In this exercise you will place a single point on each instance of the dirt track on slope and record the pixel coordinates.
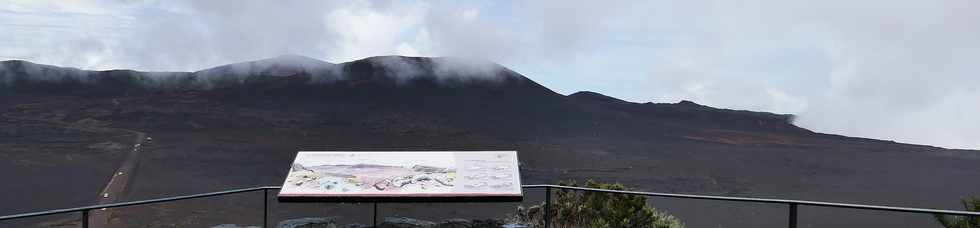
(116, 186)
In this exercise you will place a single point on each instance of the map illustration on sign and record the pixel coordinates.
(403, 174)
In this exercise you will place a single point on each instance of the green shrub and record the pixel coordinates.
(572, 208)
(969, 204)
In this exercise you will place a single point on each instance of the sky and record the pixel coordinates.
(897, 70)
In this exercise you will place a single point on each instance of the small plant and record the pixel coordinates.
(574, 208)
(969, 204)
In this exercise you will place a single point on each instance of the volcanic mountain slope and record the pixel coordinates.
(240, 125)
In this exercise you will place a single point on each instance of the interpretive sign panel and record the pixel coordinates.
(463, 176)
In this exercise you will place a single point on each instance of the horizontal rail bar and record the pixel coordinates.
(133, 203)
(670, 195)
(765, 200)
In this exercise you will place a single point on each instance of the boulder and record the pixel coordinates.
(327, 222)
(357, 225)
(455, 223)
(402, 222)
(488, 223)
(233, 226)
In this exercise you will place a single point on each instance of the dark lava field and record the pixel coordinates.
(63, 133)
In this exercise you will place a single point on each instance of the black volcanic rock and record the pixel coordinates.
(279, 66)
(289, 74)
(588, 96)
(437, 84)
(689, 115)
(435, 73)
(241, 124)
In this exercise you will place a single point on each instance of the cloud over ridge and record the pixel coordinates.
(899, 70)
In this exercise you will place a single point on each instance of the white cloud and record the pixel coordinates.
(470, 14)
(365, 31)
(405, 49)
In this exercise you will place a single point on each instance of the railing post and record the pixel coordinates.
(265, 207)
(547, 207)
(792, 215)
(85, 219)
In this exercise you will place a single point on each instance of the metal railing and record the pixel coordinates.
(85, 210)
(792, 205)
